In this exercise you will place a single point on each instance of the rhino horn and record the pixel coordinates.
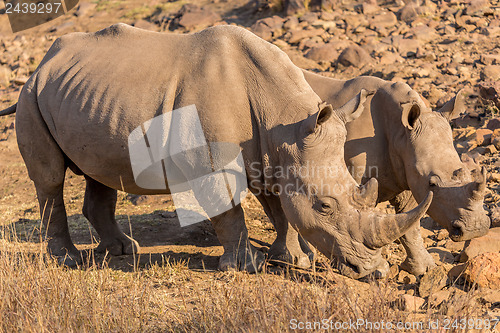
(367, 194)
(385, 229)
(355, 107)
(478, 187)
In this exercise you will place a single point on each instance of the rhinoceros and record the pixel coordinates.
(92, 91)
(409, 149)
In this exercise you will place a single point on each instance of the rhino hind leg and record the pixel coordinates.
(99, 208)
(418, 260)
(46, 167)
(288, 247)
(232, 233)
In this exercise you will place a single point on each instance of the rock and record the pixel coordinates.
(490, 72)
(494, 124)
(423, 33)
(490, 59)
(456, 272)
(490, 90)
(476, 6)
(268, 27)
(355, 56)
(487, 243)
(483, 136)
(491, 296)
(370, 7)
(383, 20)
(326, 52)
(389, 58)
(193, 17)
(406, 278)
(291, 23)
(495, 217)
(21, 80)
(5, 74)
(299, 60)
(436, 299)
(85, 8)
(410, 303)
(409, 12)
(407, 47)
(293, 7)
(441, 254)
(484, 270)
(296, 36)
(433, 280)
(146, 25)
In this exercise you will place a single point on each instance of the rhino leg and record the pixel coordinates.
(232, 233)
(286, 247)
(418, 260)
(46, 167)
(99, 208)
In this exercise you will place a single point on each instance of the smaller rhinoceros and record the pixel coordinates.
(96, 97)
(409, 149)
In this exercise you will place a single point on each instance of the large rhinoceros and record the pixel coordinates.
(92, 92)
(409, 149)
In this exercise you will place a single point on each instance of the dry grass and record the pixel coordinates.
(38, 295)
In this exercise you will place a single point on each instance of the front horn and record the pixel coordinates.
(384, 229)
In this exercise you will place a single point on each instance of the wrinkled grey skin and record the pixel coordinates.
(411, 148)
(91, 90)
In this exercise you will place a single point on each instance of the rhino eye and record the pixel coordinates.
(326, 206)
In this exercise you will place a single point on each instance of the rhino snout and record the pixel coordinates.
(460, 230)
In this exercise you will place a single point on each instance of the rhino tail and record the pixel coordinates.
(9, 110)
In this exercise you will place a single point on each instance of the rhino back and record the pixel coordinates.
(94, 89)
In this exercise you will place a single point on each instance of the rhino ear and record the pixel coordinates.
(354, 108)
(454, 107)
(315, 120)
(411, 112)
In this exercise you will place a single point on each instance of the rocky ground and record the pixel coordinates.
(437, 47)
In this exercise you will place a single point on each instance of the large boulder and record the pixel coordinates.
(484, 270)
(355, 56)
(487, 243)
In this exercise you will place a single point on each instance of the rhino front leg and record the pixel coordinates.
(288, 247)
(99, 208)
(418, 260)
(232, 233)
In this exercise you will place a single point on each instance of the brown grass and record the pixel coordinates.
(38, 295)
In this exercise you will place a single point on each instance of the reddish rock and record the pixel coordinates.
(484, 270)
(487, 243)
(494, 124)
(355, 56)
(410, 303)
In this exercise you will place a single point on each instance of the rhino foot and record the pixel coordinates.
(418, 266)
(118, 246)
(65, 252)
(246, 259)
(282, 255)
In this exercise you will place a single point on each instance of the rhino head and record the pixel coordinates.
(430, 162)
(325, 204)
